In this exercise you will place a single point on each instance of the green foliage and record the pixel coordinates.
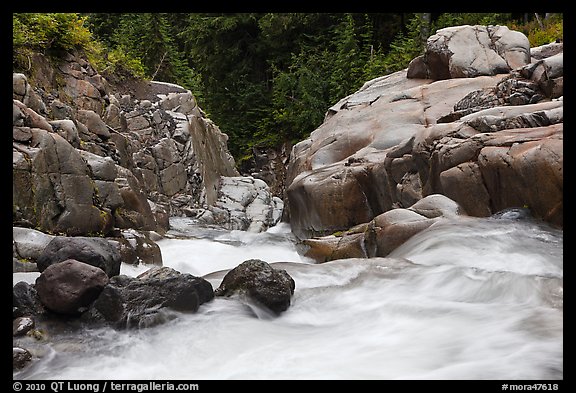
(552, 30)
(264, 78)
(404, 48)
(484, 18)
(44, 32)
(52, 33)
(551, 33)
(48, 33)
(119, 61)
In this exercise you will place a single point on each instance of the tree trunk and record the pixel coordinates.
(425, 19)
(539, 21)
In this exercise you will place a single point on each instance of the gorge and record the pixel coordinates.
(421, 236)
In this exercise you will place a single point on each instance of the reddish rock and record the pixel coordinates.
(69, 287)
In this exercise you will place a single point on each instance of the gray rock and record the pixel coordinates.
(547, 74)
(164, 147)
(150, 299)
(114, 117)
(60, 110)
(260, 283)
(102, 168)
(137, 247)
(22, 325)
(20, 358)
(25, 300)
(437, 205)
(67, 130)
(109, 194)
(94, 123)
(547, 50)
(52, 188)
(23, 265)
(97, 252)
(471, 51)
(31, 118)
(136, 122)
(69, 287)
(19, 86)
(136, 212)
(245, 203)
(29, 243)
(83, 94)
(17, 115)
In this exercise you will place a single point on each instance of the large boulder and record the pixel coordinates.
(97, 252)
(260, 283)
(349, 170)
(471, 51)
(244, 203)
(478, 138)
(149, 299)
(69, 287)
(52, 189)
(381, 235)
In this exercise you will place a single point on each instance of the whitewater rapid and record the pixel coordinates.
(468, 298)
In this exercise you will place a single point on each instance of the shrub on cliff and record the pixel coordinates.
(52, 33)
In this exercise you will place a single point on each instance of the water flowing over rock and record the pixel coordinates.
(98, 169)
(487, 137)
(384, 233)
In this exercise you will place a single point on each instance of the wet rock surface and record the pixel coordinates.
(260, 283)
(149, 299)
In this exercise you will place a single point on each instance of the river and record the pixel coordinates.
(468, 298)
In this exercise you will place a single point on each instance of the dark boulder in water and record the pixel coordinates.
(69, 287)
(261, 283)
(20, 358)
(25, 300)
(149, 299)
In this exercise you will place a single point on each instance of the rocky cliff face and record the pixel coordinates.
(95, 158)
(478, 118)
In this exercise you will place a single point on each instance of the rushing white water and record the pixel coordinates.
(464, 299)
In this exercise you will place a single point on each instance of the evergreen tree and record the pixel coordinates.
(264, 78)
